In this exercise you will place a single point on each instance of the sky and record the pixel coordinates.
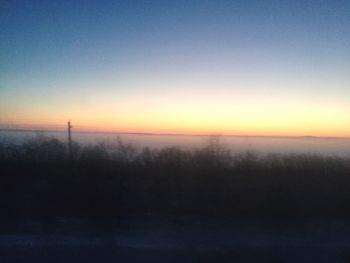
(230, 67)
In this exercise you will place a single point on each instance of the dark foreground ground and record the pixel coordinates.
(121, 204)
(115, 254)
(185, 240)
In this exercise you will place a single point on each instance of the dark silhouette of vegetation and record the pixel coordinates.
(38, 179)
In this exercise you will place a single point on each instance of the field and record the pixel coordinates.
(121, 202)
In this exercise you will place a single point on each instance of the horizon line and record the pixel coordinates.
(177, 134)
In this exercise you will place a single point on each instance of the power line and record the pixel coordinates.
(70, 139)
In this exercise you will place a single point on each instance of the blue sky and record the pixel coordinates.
(92, 60)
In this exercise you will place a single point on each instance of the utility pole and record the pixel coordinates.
(70, 140)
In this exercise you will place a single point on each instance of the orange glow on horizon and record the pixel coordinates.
(185, 115)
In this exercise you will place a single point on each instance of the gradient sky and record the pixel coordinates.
(236, 67)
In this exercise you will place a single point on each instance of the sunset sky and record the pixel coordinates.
(232, 67)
